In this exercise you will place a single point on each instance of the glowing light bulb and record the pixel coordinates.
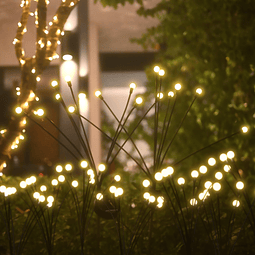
(199, 91)
(50, 199)
(216, 186)
(18, 110)
(38, 78)
(218, 175)
(59, 168)
(68, 167)
(139, 100)
(160, 95)
(230, 154)
(152, 199)
(57, 96)
(146, 195)
(160, 199)
(156, 69)
(146, 183)
(61, 178)
(75, 184)
(23, 184)
(67, 57)
(194, 174)
(99, 196)
(193, 201)
(68, 78)
(40, 112)
(240, 185)
(223, 157)
(235, 203)
(71, 109)
(90, 172)
(178, 86)
(132, 85)
(202, 169)
(43, 188)
(98, 93)
(161, 72)
(41, 198)
(101, 167)
(158, 176)
(54, 182)
(208, 184)
(181, 181)
(84, 164)
(211, 161)
(117, 178)
(54, 83)
(171, 94)
(245, 129)
(112, 189)
(227, 168)
(36, 195)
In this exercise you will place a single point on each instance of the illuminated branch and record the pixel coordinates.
(31, 67)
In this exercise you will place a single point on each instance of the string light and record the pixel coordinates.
(178, 86)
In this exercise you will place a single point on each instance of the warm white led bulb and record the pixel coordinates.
(227, 168)
(112, 189)
(50, 199)
(171, 94)
(152, 199)
(146, 183)
(132, 85)
(101, 167)
(23, 184)
(117, 178)
(194, 174)
(199, 91)
(54, 83)
(68, 167)
(208, 184)
(236, 203)
(178, 86)
(156, 69)
(231, 154)
(146, 195)
(40, 112)
(216, 186)
(18, 110)
(75, 184)
(181, 181)
(71, 109)
(84, 164)
(158, 176)
(245, 129)
(59, 168)
(160, 95)
(223, 157)
(43, 188)
(61, 178)
(202, 169)
(161, 72)
(240, 185)
(193, 201)
(99, 196)
(54, 182)
(218, 175)
(211, 161)
(139, 100)
(98, 93)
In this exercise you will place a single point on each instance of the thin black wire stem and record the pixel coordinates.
(147, 173)
(129, 137)
(56, 139)
(62, 133)
(176, 132)
(78, 133)
(193, 153)
(91, 123)
(168, 124)
(83, 129)
(176, 214)
(120, 126)
(155, 124)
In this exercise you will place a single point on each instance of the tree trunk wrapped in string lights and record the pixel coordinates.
(32, 67)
